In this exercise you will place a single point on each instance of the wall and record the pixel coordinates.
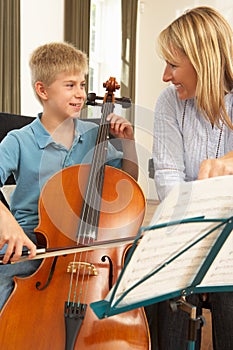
(41, 22)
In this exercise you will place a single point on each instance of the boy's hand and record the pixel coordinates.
(13, 235)
(120, 127)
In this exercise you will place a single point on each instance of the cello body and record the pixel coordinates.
(33, 316)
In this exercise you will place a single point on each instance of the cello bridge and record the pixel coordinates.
(82, 267)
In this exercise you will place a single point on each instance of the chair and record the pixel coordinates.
(151, 168)
(9, 122)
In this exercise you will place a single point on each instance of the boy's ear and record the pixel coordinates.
(41, 90)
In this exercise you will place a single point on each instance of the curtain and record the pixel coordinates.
(77, 23)
(77, 28)
(129, 27)
(128, 54)
(10, 56)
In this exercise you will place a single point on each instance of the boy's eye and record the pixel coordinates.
(83, 85)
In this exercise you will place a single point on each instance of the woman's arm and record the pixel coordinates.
(168, 150)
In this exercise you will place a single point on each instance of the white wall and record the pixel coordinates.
(41, 22)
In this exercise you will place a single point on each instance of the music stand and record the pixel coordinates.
(188, 248)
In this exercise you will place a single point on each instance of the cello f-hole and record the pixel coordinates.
(51, 272)
(110, 275)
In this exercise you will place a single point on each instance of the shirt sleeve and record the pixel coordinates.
(115, 157)
(9, 155)
(168, 151)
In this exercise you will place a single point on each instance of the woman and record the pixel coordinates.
(192, 132)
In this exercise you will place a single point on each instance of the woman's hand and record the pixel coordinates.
(216, 167)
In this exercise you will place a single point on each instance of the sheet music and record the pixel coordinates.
(212, 198)
(221, 271)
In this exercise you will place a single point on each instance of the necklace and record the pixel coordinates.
(207, 135)
(219, 142)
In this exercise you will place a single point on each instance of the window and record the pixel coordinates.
(105, 43)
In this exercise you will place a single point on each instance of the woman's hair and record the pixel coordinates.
(206, 38)
(53, 58)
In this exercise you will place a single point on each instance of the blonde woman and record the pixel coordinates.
(193, 138)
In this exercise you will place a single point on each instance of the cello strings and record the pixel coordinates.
(93, 201)
(94, 195)
(99, 176)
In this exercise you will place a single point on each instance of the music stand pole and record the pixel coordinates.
(194, 322)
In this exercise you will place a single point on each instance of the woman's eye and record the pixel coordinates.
(172, 65)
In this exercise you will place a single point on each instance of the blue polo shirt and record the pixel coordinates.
(33, 157)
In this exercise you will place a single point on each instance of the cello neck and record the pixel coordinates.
(89, 219)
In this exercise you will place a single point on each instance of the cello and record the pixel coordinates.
(81, 204)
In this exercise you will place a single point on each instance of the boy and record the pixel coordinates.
(54, 140)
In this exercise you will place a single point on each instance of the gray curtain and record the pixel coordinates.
(129, 28)
(10, 56)
(77, 28)
(77, 23)
(128, 53)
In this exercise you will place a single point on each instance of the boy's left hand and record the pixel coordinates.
(120, 127)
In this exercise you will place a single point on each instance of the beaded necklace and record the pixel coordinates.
(207, 135)
(219, 142)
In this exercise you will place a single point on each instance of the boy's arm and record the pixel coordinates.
(122, 128)
(13, 235)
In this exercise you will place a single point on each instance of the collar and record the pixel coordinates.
(42, 136)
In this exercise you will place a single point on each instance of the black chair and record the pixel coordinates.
(9, 122)
(151, 168)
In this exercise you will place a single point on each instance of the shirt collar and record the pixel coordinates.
(43, 137)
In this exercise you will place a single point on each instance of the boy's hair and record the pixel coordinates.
(53, 58)
(206, 38)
